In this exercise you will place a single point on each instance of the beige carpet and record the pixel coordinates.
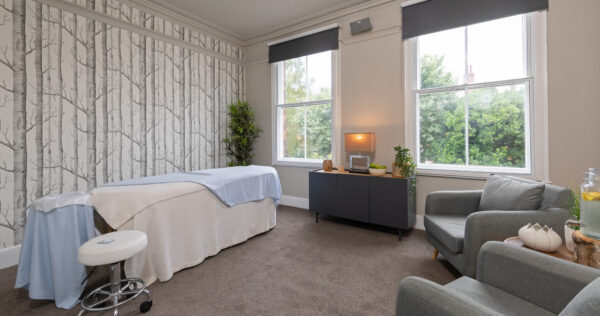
(334, 267)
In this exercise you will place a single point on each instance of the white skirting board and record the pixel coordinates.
(294, 201)
(9, 256)
(300, 202)
(419, 223)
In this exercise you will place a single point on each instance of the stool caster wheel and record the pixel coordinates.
(145, 306)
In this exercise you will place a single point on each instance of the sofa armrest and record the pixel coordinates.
(538, 278)
(485, 226)
(452, 202)
(417, 296)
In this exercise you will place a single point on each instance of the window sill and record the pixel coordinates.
(452, 174)
(298, 164)
(471, 175)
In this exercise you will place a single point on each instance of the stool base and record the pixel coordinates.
(116, 293)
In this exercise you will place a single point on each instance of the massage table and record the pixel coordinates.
(187, 216)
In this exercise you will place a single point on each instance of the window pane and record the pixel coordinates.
(293, 131)
(318, 131)
(497, 126)
(306, 78)
(442, 58)
(442, 128)
(293, 84)
(496, 50)
(319, 76)
(305, 130)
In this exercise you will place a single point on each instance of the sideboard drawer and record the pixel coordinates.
(322, 189)
(388, 202)
(353, 197)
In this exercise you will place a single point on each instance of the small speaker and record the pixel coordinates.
(360, 26)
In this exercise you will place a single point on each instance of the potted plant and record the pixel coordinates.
(243, 132)
(404, 165)
(571, 226)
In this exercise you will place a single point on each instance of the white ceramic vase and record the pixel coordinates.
(569, 238)
(540, 238)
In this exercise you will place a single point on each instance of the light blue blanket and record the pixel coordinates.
(48, 265)
(234, 185)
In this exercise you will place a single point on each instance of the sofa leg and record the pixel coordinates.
(435, 254)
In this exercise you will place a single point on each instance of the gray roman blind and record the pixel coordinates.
(438, 15)
(306, 45)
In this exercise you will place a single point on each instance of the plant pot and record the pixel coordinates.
(397, 171)
(376, 172)
(569, 238)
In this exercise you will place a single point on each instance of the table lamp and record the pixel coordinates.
(360, 142)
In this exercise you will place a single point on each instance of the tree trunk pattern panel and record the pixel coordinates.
(131, 104)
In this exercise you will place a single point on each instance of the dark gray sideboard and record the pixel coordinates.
(384, 200)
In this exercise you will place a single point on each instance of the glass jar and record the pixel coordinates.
(590, 204)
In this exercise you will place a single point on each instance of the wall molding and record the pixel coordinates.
(259, 61)
(294, 201)
(392, 30)
(167, 10)
(101, 17)
(9, 256)
(311, 21)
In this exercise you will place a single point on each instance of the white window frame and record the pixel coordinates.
(536, 115)
(277, 128)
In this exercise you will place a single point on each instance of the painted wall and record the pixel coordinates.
(84, 103)
(372, 93)
(573, 88)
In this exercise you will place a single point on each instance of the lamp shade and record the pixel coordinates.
(361, 142)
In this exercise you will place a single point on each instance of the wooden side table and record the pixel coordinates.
(561, 253)
(587, 250)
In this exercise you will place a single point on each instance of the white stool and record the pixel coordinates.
(112, 248)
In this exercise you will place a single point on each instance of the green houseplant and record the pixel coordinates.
(243, 132)
(574, 206)
(404, 165)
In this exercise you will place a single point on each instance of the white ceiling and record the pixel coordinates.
(247, 19)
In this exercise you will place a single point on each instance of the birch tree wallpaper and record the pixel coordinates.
(84, 102)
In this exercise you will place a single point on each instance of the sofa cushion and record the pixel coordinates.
(554, 196)
(586, 302)
(449, 229)
(510, 193)
(495, 299)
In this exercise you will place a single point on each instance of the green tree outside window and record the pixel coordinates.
(318, 118)
(496, 121)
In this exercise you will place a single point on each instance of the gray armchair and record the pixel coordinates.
(457, 228)
(510, 281)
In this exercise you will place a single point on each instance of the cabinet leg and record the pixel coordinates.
(399, 234)
(316, 217)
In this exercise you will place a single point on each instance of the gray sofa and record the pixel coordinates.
(458, 223)
(510, 281)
